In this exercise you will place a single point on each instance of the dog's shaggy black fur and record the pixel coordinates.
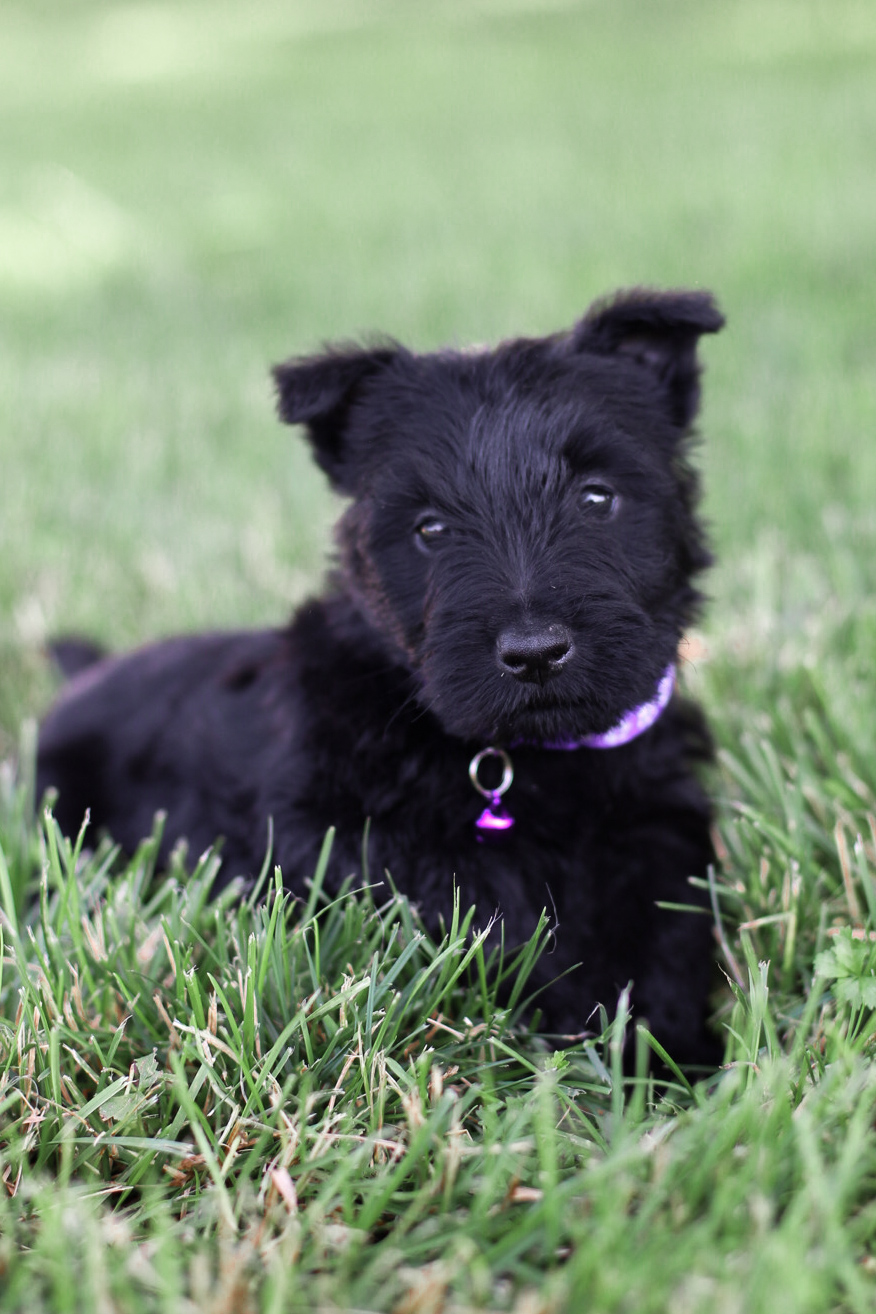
(516, 567)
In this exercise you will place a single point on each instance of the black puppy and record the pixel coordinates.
(489, 678)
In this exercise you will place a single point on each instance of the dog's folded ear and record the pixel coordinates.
(658, 330)
(318, 391)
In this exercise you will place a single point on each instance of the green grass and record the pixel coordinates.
(234, 1106)
(257, 1105)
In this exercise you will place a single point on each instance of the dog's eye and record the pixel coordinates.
(428, 531)
(599, 499)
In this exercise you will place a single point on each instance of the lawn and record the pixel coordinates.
(251, 1106)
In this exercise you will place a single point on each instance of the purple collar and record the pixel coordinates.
(632, 724)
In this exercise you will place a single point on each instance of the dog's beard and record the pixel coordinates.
(478, 702)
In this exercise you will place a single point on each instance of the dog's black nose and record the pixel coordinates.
(534, 654)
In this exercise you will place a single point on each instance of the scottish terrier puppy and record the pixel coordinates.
(488, 679)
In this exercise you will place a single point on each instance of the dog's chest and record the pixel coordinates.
(413, 791)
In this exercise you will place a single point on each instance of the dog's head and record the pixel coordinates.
(522, 531)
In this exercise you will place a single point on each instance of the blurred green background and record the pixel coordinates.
(190, 191)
